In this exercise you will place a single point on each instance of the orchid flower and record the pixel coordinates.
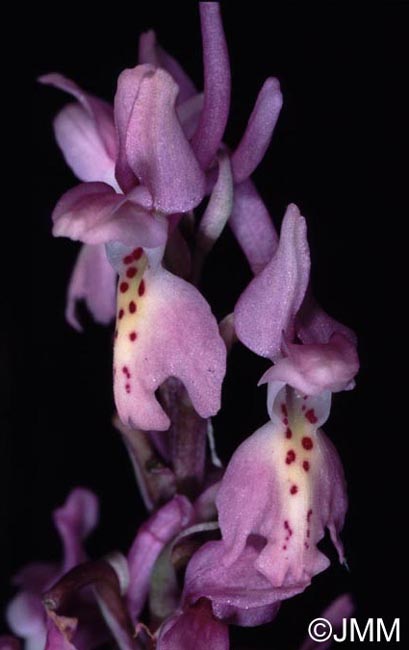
(131, 224)
(299, 489)
(158, 174)
(135, 181)
(74, 521)
(276, 308)
(87, 137)
(285, 484)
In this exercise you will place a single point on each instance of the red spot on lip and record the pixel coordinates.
(133, 336)
(311, 417)
(132, 307)
(290, 458)
(128, 259)
(285, 421)
(128, 388)
(126, 371)
(288, 529)
(306, 465)
(141, 288)
(284, 547)
(293, 489)
(309, 513)
(131, 272)
(307, 443)
(137, 253)
(120, 313)
(288, 433)
(124, 286)
(284, 410)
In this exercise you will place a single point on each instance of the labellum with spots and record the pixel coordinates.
(162, 323)
(297, 491)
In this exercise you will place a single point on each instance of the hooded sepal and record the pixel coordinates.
(268, 306)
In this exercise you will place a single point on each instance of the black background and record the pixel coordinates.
(337, 153)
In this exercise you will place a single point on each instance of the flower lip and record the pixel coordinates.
(176, 336)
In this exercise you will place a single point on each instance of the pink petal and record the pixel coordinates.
(152, 140)
(195, 628)
(152, 537)
(151, 52)
(268, 306)
(209, 134)
(75, 520)
(239, 594)
(168, 330)
(25, 612)
(219, 207)
(85, 133)
(84, 151)
(259, 131)
(25, 617)
(252, 226)
(286, 484)
(99, 110)
(314, 368)
(93, 280)
(94, 214)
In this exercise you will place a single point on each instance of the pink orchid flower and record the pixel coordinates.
(275, 314)
(161, 319)
(75, 520)
(155, 155)
(285, 484)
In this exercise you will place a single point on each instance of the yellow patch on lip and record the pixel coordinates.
(297, 453)
(298, 459)
(130, 299)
